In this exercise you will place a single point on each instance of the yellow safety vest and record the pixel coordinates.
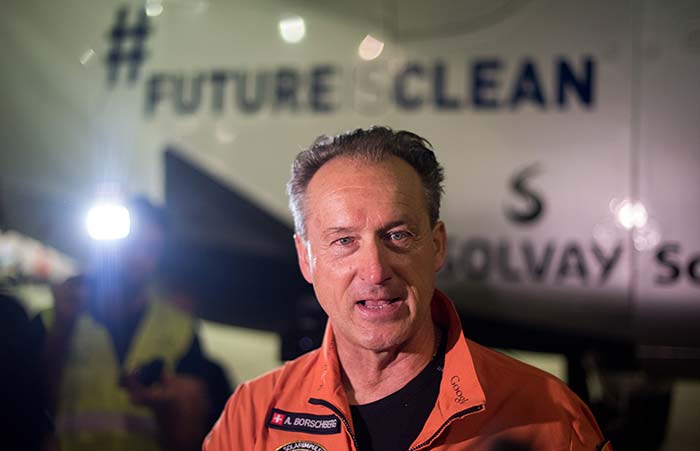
(94, 412)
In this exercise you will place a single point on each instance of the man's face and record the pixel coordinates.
(126, 274)
(371, 253)
(135, 261)
(142, 253)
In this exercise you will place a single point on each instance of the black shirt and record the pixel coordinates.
(393, 423)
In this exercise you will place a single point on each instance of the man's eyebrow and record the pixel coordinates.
(392, 224)
(385, 228)
(337, 230)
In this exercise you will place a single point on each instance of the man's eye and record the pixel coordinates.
(398, 236)
(346, 240)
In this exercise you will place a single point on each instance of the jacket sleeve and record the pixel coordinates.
(236, 428)
(585, 434)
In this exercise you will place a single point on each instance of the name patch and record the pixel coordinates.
(303, 422)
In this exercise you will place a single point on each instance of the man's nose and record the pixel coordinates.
(374, 264)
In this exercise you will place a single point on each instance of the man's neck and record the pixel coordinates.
(369, 376)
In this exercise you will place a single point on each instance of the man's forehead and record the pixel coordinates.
(345, 190)
(348, 172)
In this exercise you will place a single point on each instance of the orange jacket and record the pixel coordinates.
(484, 397)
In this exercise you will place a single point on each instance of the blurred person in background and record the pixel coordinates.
(125, 367)
(26, 423)
(394, 371)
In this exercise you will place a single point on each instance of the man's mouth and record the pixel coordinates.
(377, 304)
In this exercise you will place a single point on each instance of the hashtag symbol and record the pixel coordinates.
(127, 45)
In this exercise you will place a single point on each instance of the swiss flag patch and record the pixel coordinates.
(278, 418)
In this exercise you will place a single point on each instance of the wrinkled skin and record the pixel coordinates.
(371, 254)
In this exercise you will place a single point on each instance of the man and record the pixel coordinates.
(125, 368)
(394, 371)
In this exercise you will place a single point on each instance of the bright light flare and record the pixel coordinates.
(154, 8)
(292, 29)
(370, 48)
(647, 237)
(86, 56)
(108, 222)
(630, 214)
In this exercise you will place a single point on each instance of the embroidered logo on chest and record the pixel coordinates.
(459, 395)
(303, 422)
(301, 446)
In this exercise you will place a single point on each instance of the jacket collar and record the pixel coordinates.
(460, 390)
(327, 377)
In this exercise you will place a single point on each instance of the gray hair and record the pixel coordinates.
(374, 145)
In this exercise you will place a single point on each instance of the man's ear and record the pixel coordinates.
(304, 257)
(440, 244)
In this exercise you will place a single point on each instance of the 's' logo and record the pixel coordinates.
(127, 45)
(535, 206)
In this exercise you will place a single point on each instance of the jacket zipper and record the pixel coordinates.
(340, 415)
(456, 416)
